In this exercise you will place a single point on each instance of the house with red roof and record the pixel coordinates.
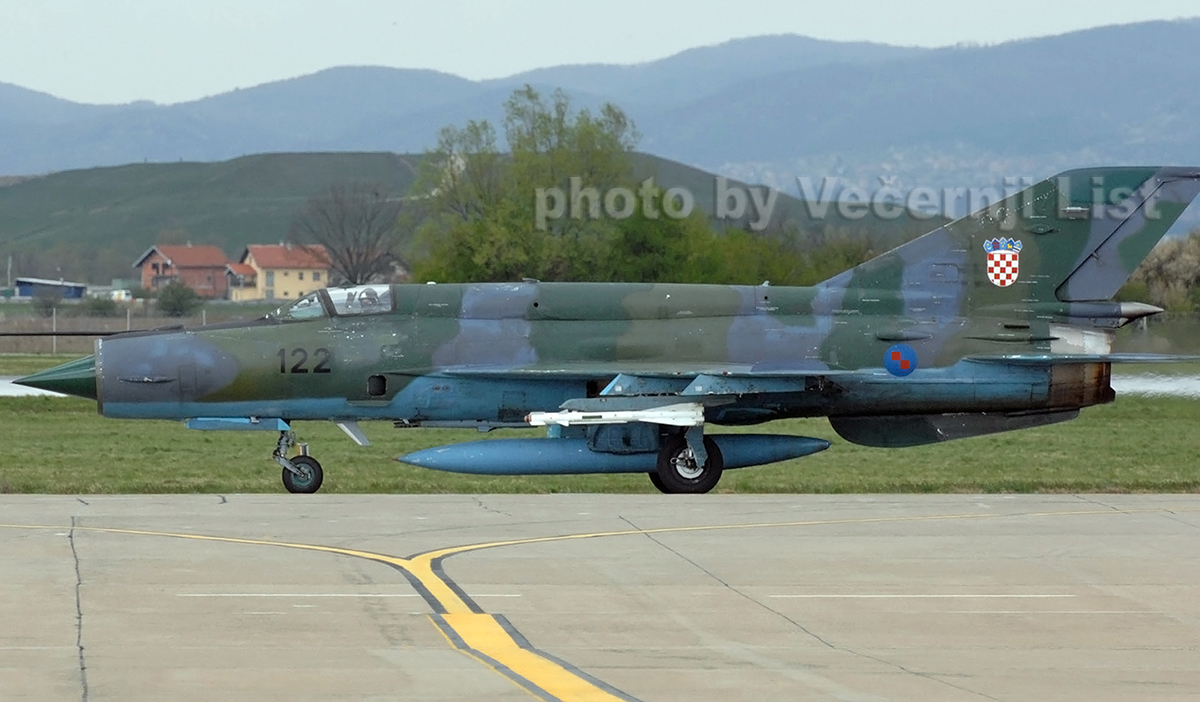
(278, 272)
(201, 268)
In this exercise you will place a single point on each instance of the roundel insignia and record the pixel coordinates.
(900, 360)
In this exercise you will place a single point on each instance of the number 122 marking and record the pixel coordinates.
(322, 355)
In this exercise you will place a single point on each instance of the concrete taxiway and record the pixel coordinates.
(599, 597)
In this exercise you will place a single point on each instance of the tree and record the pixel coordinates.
(357, 225)
(177, 300)
(482, 223)
(1169, 277)
(464, 177)
(551, 144)
(479, 204)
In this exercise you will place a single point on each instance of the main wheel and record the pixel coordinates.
(678, 471)
(310, 476)
(657, 482)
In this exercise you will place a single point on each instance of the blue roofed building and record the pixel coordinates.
(33, 287)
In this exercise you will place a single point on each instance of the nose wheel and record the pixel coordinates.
(307, 476)
(302, 473)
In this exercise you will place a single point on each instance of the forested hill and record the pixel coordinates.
(95, 222)
(91, 224)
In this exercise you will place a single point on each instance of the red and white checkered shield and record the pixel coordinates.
(1003, 260)
(1003, 266)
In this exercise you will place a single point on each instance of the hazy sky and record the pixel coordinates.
(115, 51)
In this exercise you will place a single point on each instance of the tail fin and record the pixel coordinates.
(1077, 236)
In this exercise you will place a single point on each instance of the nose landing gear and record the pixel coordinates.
(301, 473)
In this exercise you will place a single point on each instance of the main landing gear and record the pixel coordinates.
(301, 473)
(682, 470)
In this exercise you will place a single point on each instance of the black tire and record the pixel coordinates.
(311, 479)
(657, 481)
(678, 472)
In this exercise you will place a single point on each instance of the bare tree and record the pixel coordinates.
(357, 225)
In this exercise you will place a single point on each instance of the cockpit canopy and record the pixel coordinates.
(342, 302)
(362, 299)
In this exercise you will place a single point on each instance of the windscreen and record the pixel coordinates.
(307, 307)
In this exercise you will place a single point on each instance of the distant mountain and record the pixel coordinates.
(1124, 94)
(709, 70)
(371, 108)
(765, 109)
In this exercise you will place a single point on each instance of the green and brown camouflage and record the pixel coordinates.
(996, 321)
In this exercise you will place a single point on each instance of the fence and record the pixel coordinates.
(45, 328)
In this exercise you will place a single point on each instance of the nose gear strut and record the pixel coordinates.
(301, 473)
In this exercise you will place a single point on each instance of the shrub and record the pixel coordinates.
(99, 307)
(44, 302)
(177, 300)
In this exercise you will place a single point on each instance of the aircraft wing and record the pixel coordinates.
(646, 386)
(672, 369)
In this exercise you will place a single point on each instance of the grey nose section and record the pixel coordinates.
(175, 367)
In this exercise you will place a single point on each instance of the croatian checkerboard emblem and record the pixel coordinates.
(1003, 260)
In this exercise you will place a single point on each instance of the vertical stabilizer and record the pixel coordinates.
(1077, 236)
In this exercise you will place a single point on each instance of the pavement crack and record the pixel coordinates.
(1166, 513)
(81, 501)
(83, 680)
(927, 676)
(1172, 516)
(733, 589)
(223, 500)
(806, 630)
(1098, 503)
(489, 509)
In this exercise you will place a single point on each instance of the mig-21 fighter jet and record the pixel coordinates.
(1000, 320)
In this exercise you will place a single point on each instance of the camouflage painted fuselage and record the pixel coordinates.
(495, 352)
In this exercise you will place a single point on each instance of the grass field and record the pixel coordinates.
(57, 445)
(26, 363)
(62, 446)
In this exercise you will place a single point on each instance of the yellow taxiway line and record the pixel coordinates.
(489, 638)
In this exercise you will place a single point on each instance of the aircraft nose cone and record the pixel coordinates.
(75, 378)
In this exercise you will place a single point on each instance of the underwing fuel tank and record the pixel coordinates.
(568, 456)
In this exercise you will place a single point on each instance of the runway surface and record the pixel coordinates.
(600, 597)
